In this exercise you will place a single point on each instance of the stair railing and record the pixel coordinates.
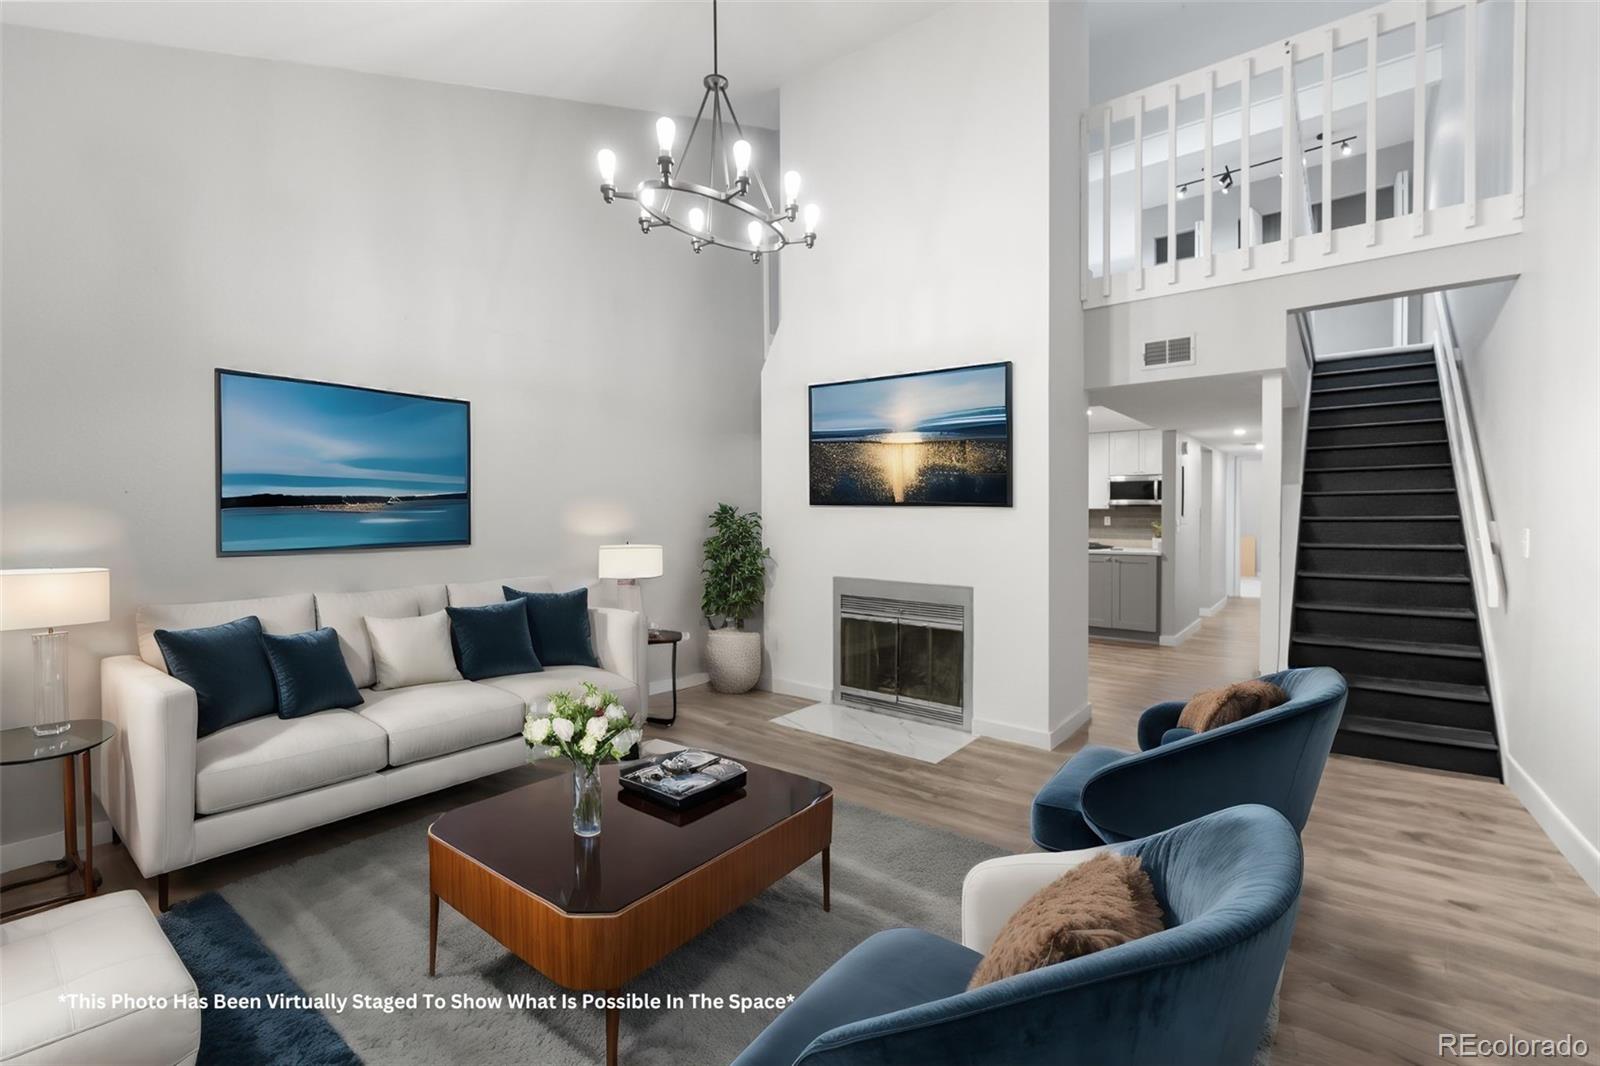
(1476, 515)
(1289, 532)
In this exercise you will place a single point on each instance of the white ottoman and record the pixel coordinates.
(79, 984)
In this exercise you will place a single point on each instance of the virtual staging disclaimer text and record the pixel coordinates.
(339, 1003)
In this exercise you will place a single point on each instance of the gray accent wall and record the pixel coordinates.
(167, 212)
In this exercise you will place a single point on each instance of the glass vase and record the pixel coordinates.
(585, 800)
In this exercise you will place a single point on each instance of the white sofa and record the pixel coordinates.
(177, 800)
(95, 981)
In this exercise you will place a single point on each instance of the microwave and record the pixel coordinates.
(1135, 490)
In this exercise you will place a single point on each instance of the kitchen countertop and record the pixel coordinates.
(1125, 551)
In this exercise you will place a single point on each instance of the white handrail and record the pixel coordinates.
(1476, 515)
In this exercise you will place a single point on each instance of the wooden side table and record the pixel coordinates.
(20, 746)
(673, 637)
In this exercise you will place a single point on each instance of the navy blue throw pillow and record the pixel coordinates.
(226, 667)
(309, 672)
(559, 622)
(492, 641)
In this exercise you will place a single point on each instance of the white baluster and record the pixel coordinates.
(1419, 124)
(1372, 130)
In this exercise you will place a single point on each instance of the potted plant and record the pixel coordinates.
(1155, 535)
(735, 573)
(583, 729)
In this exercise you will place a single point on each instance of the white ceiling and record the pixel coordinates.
(1105, 420)
(1208, 409)
(645, 54)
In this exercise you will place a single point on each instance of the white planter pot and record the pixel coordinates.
(1155, 543)
(733, 659)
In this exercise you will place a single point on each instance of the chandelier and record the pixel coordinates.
(718, 210)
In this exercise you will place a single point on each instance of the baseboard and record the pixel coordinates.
(1207, 612)
(785, 687)
(21, 853)
(664, 684)
(1581, 853)
(1181, 635)
(1033, 738)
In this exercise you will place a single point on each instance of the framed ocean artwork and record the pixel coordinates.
(307, 466)
(937, 438)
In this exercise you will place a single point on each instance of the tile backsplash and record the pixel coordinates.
(1129, 528)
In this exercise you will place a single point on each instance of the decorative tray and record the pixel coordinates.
(684, 778)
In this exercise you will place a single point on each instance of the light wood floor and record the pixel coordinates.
(1432, 903)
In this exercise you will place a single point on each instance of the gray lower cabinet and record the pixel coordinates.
(1125, 592)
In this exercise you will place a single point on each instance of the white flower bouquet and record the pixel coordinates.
(583, 728)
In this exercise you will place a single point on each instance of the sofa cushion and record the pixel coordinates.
(412, 651)
(309, 673)
(559, 624)
(887, 972)
(266, 758)
(482, 593)
(492, 640)
(428, 720)
(278, 614)
(346, 611)
(534, 689)
(108, 946)
(1058, 823)
(227, 668)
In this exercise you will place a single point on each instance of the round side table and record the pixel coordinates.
(19, 746)
(673, 637)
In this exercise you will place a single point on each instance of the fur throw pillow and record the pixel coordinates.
(1225, 706)
(1106, 901)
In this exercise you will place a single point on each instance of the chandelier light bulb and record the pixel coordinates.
(697, 219)
(813, 212)
(791, 188)
(647, 197)
(741, 157)
(666, 130)
(608, 166)
(753, 231)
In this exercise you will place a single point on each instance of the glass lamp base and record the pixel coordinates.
(50, 683)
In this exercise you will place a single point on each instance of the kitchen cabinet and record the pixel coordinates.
(1125, 592)
(1099, 472)
(1149, 451)
(1101, 571)
(1132, 451)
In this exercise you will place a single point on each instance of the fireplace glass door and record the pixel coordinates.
(903, 656)
(867, 655)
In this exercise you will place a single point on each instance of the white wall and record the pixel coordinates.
(167, 212)
(1184, 526)
(919, 276)
(1533, 388)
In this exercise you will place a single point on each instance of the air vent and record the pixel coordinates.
(1175, 351)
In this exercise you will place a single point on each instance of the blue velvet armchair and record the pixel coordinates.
(1275, 758)
(1197, 992)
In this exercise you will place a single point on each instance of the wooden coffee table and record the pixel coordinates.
(593, 913)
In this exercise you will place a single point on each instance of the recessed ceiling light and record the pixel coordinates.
(1260, 447)
(1238, 431)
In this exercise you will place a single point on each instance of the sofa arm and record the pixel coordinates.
(994, 890)
(1155, 722)
(147, 771)
(619, 640)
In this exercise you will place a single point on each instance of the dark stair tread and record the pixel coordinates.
(1448, 735)
(1390, 466)
(1463, 613)
(1381, 518)
(1375, 425)
(1438, 579)
(1433, 690)
(1372, 369)
(1398, 647)
(1374, 403)
(1383, 547)
(1379, 444)
(1375, 385)
(1381, 492)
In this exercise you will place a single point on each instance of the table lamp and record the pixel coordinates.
(626, 564)
(49, 599)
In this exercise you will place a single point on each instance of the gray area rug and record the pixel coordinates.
(354, 919)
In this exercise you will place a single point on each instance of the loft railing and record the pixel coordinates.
(1392, 130)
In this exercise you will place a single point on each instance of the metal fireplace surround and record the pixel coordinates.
(904, 648)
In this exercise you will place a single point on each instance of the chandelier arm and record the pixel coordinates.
(696, 126)
(760, 185)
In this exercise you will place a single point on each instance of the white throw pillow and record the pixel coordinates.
(412, 651)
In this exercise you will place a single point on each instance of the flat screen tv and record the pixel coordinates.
(931, 439)
(305, 466)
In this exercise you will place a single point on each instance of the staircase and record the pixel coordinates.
(1383, 591)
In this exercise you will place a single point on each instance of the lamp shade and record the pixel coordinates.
(41, 599)
(627, 562)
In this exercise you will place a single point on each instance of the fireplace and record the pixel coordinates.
(904, 649)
